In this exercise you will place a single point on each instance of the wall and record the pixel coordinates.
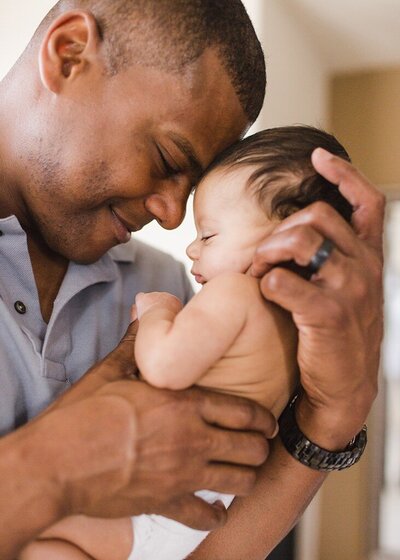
(298, 76)
(365, 113)
(18, 20)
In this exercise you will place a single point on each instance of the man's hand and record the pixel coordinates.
(339, 312)
(120, 447)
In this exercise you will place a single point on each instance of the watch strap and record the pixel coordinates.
(310, 454)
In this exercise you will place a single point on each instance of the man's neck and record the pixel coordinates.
(49, 270)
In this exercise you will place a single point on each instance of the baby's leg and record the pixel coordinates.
(93, 539)
(52, 550)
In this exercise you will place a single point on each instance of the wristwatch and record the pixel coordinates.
(310, 454)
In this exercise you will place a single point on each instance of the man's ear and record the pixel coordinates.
(69, 46)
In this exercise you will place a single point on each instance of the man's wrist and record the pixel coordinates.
(37, 463)
(315, 456)
(31, 499)
(331, 427)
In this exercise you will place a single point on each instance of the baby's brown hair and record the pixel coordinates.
(284, 178)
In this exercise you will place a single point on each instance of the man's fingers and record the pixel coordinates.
(300, 236)
(229, 479)
(126, 348)
(352, 184)
(236, 413)
(368, 203)
(291, 292)
(196, 513)
(228, 446)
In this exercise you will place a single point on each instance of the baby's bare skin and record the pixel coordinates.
(248, 345)
(261, 363)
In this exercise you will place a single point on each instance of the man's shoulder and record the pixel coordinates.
(151, 269)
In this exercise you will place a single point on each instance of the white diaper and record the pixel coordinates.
(157, 537)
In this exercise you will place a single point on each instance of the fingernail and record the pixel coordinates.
(276, 432)
(323, 154)
(219, 504)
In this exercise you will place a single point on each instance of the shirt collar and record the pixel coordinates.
(126, 252)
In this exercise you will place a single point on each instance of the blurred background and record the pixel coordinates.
(334, 65)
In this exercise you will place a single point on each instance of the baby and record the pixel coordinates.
(227, 338)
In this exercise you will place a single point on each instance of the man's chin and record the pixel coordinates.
(80, 249)
(84, 256)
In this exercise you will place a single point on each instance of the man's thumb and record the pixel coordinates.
(121, 363)
(126, 348)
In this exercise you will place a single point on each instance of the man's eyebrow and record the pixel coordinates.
(187, 149)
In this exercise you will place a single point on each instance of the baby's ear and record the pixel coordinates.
(134, 314)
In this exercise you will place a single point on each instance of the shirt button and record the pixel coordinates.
(20, 307)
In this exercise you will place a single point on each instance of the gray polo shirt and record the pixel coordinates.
(90, 315)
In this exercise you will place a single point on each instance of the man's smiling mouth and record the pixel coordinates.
(122, 229)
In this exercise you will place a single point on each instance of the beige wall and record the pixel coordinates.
(365, 114)
(298, 77)
(18, 21)
(344, 515)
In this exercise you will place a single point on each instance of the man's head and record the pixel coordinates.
(251, 187)
(130, 101)
(173, 34)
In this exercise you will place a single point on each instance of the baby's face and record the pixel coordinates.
(230, 224)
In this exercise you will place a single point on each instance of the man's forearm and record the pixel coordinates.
(29, 502)
(256, 524)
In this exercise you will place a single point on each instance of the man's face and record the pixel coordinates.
(120, 152)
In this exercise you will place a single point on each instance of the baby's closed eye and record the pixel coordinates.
(205, 238)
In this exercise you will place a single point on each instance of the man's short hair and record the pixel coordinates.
(284, 178)
(172, 34)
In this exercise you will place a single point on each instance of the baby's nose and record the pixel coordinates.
(191, 251)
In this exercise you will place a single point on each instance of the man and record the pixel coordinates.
(107, 121)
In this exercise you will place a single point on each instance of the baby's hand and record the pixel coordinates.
(145, 302)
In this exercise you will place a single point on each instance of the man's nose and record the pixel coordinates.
(167, 208)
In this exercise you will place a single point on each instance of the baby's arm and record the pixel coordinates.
(175, 347)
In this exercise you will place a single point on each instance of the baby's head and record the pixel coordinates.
(250, 188)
